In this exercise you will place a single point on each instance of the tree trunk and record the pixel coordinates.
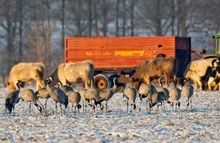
(20, 29)
(158, 18)
(63, 29)
(132, 18)
(78, 19)
(48, 37)
(117, 18)
(124, 18)
(90, 17)
(105, 18)
(173, 16)
(95, 17)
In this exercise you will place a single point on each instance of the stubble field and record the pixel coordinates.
(202, 124)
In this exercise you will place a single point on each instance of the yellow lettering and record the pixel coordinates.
(98, 53)
(128, 53)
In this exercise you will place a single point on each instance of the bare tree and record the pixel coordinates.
(132, 17)
(90, 17)
(48, 36)
(124, 18)
(95, 17)
(37, 36)
(105, 10)
(78, 18)
(20, 28)
(117, 18)
(173, 16)
(63, 27)
(154, 15)
(9, 23)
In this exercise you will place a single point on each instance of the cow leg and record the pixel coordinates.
(147, 80)
(211, 79)
(216, 87)
(38, 86)
(166, 81)
(86, 84)
(39, 81)
(200, 85)
(175, 80)
(196, 84)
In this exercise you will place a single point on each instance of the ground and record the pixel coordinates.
(202, 124)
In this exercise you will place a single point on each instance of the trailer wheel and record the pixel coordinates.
(101, 81)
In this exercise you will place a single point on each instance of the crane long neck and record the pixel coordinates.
(114, 86)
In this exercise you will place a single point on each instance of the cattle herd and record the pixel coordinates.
(203, 73)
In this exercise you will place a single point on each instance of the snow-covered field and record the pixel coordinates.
(163, 125)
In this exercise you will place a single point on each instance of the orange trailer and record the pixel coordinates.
(121, 55)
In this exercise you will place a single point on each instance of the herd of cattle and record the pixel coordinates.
(204, 73)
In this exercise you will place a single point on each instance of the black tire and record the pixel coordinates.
(101, 81)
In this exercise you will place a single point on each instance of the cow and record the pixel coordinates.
(74, 72)
(216, 83)
(26, 72)
(156, 68)
(201, 72)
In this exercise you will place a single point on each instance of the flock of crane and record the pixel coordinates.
(154, 95)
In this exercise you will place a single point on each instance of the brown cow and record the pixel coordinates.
(26, 72)
(156, 68)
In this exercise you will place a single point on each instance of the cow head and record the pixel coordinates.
(10, 86)
(215, 63)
